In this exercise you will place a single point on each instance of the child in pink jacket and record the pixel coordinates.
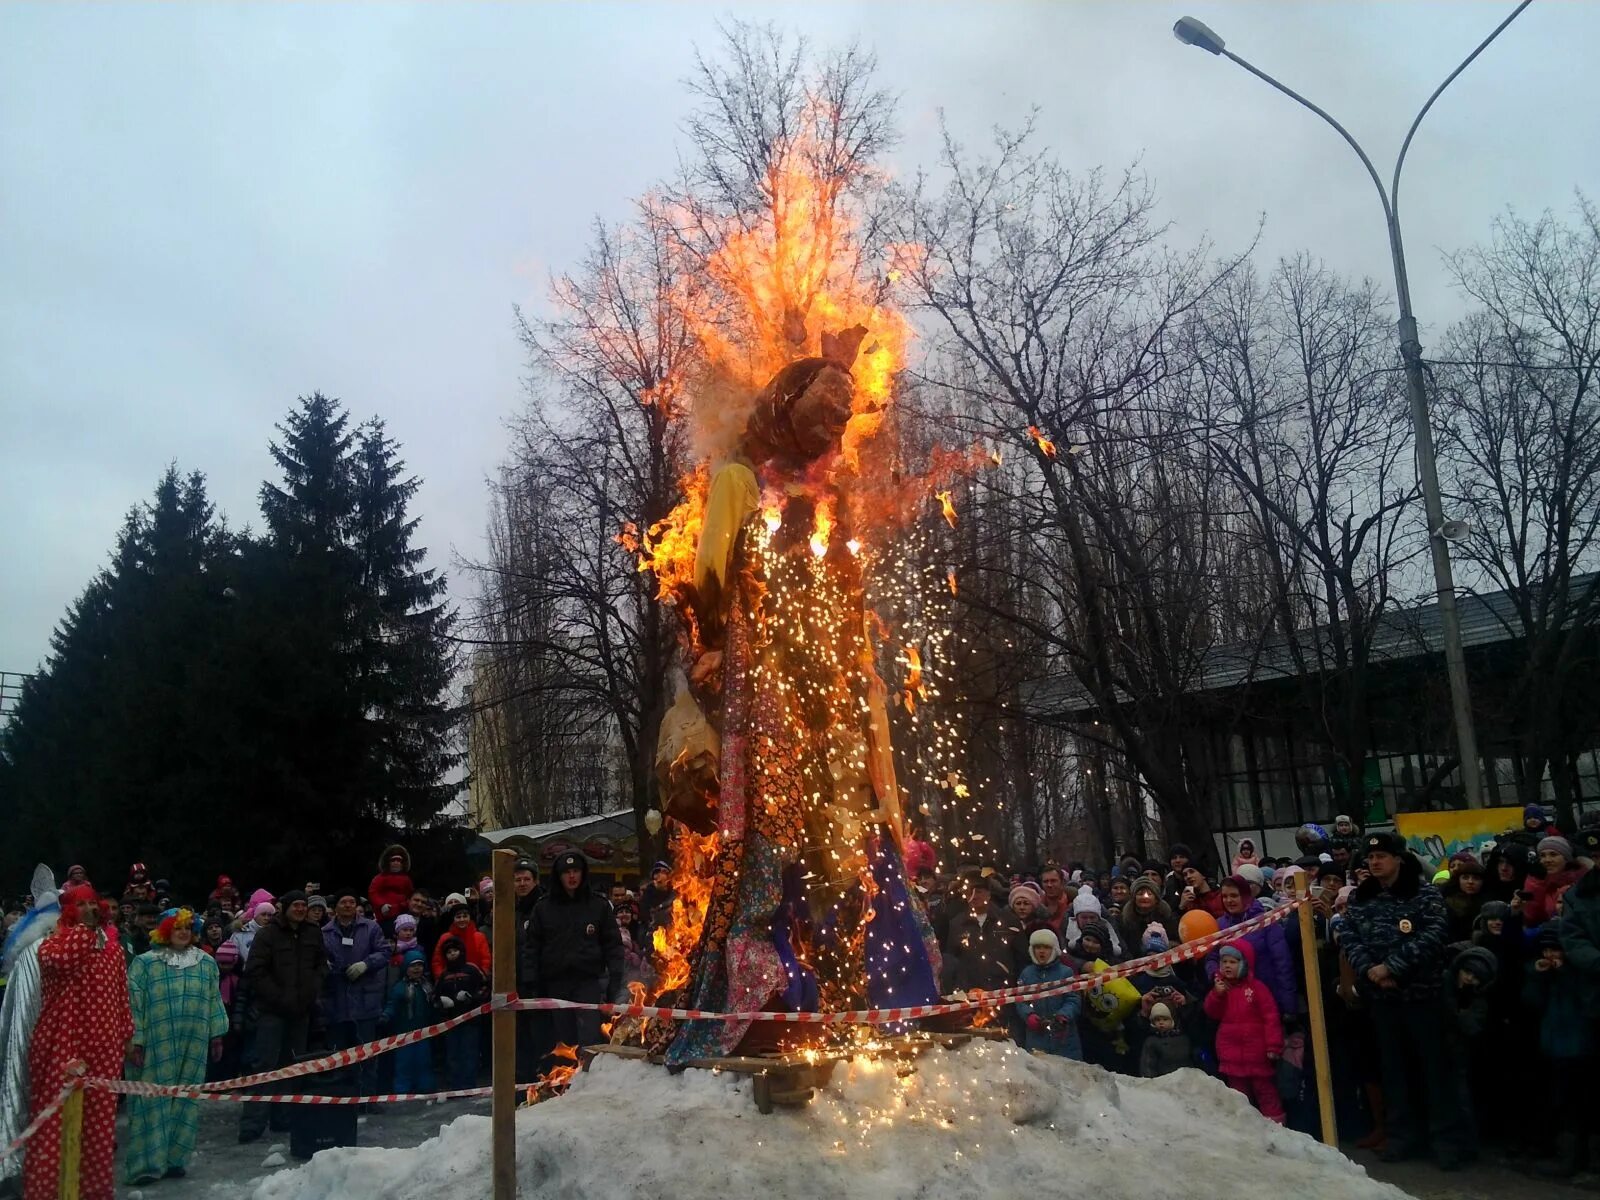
(1249, 1032)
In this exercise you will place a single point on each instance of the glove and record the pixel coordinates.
(355, 971)
(446, 1002)
(136, 1056)
(462, 997)
(387, 909)
(1035, 1022)
(216, 1049)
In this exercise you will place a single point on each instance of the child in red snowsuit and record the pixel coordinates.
(1249, 1033)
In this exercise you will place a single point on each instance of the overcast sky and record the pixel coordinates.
(207, 211)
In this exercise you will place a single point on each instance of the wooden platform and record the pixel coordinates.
(790, 1080)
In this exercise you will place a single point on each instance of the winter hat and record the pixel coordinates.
(1238, 882)
(1480, 962)
(1045, 937)
(1159, 1009)
(1559, 844)
(1155, 938)
(227, 954)
(1387, 843)
(1145, 884)
(1095, 927)
(1176, 849)
(413, 955)
(1031, 891)
(292, 896)
(1442, 875)
(1252, 875)
(316, 902)
(263, 911)
(661, 866)
(1549, 936)
(1533, 812)
(455, 900)
(260, 895)
(1086, 902)
(569, 861)
(340, 893)
(1589, 841)
(485, 886)
(1229, 950)
(1493, 910)
(405, 922)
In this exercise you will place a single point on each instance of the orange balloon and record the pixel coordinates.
(1196, 923)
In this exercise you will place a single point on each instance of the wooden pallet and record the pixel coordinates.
(790, 1080)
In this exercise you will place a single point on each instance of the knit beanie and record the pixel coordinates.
(1559, 844)
(1095, 927)
(1253, 875)
(1086, 902)
(1229, 950)
(1155, 938)
(1030, 890)
(1159, 1009)
(263, 911)
(1145, 884)
(405, 923)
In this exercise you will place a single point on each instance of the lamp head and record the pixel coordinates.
(1196, 33)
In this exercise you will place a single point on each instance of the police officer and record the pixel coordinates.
(572, 950)
(1396, 931)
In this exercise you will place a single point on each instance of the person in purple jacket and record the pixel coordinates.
(1274, 966)
(358, 961)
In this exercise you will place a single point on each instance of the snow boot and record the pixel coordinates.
(1375, 1139)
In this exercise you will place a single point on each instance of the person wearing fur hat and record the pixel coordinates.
(391, 888)
(1246, 854)
(980, 949)
(571, 944)
(1273, 965)
(283, 977)
(1561, 870)
(1249, 1030)
(1051, 1022)
(178, 1027)
(1167, 1047)
(1395, 935)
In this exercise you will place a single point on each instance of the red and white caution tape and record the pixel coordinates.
(130, 1087)
(881, 1016)
(346, 1057)
(45, 1114)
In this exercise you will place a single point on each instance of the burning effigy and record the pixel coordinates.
(787, 824)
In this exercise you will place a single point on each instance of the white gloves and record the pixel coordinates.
(355, 971)
(462, 997)
(446, 1002)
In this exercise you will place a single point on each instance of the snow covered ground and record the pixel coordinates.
(985, 1120)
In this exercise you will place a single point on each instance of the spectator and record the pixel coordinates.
(1555, 992)
(284, 972)
(1144, 906)
(224, 896)
(1271, 964)
(1179, 859)
(460, 988)
(358, 958)
(422, 908)
(246, 936)
(1561, 871)
(405, 940)
(391, 888)
(572, 942)
(83, 1018)
(655, 898)
(458, 921)
(1057, 905)
(525, 889)
(1463, 895)
(486, 911)
(1246, 855)
(1534, 829)
(1395, 934)
(1167, 1047)
(1086, 908)
(410, 1006)
(1198, 893)
(978, 952)
(317, 910)
(178, 1028)
(1051, 1021)
(635, 955)
(136, 937)
(1249, 1035)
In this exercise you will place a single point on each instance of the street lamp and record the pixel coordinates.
(1195, 33)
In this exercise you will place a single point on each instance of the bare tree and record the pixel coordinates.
(1521, 448)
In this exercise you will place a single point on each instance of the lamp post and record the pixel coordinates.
(1440, 532)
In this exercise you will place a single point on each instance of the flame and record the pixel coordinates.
(854, 546)
(772, 516)
(693, 863)
(822, 527)
(949, 509)
(995, 458)
(950, 578)
(636, 992)
(1046, 446)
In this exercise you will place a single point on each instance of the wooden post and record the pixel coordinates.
(504, 1021)
(71, 1145)
(1316, 1018)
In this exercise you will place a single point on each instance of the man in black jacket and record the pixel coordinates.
(572, 950)
(530, 1025)
(284, 973)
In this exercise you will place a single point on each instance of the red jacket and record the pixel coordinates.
(390, 894)
(477, 950)
(1248, 1028)
(1541, 906)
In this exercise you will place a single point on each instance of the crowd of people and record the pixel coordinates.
(166, 990)
(1442, 991)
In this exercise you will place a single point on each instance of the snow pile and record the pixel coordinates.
(987, 1119)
